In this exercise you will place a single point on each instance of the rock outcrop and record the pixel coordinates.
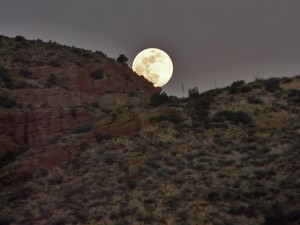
(51, 89)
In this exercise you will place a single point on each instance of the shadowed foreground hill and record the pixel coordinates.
(84, 147)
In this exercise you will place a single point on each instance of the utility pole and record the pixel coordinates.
(182, 91)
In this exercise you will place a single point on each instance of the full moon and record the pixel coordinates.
(155, 65)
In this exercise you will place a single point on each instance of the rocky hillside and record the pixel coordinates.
(83, 144)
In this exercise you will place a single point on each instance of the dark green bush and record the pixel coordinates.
(159, 99)
(194, 93)
(234, 116)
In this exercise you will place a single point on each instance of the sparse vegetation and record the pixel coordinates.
(233, 116)
(159, 99)
(233, 157)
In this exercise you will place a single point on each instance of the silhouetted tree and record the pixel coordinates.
(122, 59)
(194, 93)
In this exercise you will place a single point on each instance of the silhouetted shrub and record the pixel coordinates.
(159, 99)
(233, 116)
(20, 38)
(271, 84)
(25, 73)
(234, 88)
(97, 74)
(122, 59)
(194, 93)
(245, 89)
(253, 100)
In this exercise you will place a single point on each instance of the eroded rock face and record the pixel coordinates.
(55, 88)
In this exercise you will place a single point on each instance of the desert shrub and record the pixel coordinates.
(254, 100)
(20, 38)
(84, 128)
(5, 79)
(271, 84)
(25, 73)
(234, 88)
(159, 99)
(294, 96)
(233, 116)
(294, 93)
(245, 89)
(194, 93)
(174, 118)
(97, 74)
(286, 80)
(6, 102)
(122, 59)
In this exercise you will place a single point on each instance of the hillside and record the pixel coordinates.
(83, 142)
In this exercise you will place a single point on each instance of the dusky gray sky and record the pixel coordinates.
(208, 40)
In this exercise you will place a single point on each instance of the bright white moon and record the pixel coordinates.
(155, 65)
